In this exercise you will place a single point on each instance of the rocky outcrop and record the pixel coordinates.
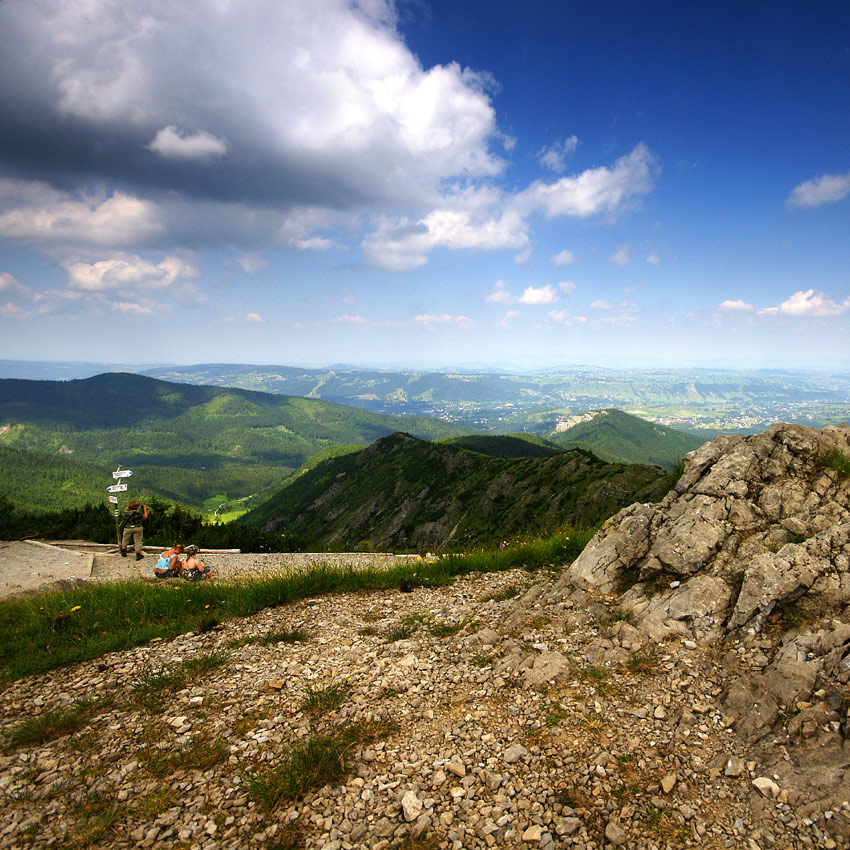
(748, 557)
(754, 523)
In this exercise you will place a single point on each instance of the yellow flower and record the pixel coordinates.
(206, 606)
(76, 607)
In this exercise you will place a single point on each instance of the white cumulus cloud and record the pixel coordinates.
(127, 272)
(826, 189)
(597, 190)
(38, 212)
(563, 258)
(430, 319)
(539, 295)
(735, 306)
(808, 303)
(172, 144)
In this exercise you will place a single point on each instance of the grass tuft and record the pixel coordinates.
(292, 636)
(322, 759)
(52, 724)
(322, 700)
(838, 461)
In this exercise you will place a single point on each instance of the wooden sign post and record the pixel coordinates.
(120, 487)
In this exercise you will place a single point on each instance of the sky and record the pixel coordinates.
(416, 184)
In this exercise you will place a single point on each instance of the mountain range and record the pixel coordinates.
(405, 493)
(186, 443)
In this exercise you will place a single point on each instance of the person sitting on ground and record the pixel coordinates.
(169, 564)
(193, 568)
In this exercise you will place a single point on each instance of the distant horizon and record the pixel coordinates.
(470, 368)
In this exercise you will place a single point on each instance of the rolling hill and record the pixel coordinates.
(188, 443)
(619, 437)
(404, 493)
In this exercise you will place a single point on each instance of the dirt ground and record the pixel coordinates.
(30, 566)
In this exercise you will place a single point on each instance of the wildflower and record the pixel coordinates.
(76, 607)
(206, 606)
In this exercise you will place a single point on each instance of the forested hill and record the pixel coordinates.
(191, 441)
(619, 437)
(405, 493)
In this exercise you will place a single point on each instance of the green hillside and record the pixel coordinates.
(505, 445)
(619, 437)
(403, 493)
(187, 443)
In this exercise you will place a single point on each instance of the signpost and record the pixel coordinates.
(121, 487)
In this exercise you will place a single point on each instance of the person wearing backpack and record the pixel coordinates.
(134, 515)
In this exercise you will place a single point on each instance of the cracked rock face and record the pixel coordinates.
(753, 523)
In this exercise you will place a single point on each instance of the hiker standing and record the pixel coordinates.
(134, 515)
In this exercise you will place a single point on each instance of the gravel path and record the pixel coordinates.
(26, 566)
(31, 566)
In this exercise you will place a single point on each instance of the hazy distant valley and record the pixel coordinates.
(703, 400)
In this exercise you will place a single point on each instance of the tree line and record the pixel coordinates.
(166, 524)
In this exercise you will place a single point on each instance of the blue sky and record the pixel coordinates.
(425, 184)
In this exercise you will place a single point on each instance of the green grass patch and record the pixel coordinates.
(291, 636)
(441, 630)
(838, 461)
(592, 674)
(320, 760)
(161, 758)
(96, 815)
(642, 664)
(41, 633)
(322, 700)
(400, 632)
(503, 595)
(152, 683)
(52, 724)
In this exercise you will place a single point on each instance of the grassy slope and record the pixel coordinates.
(620, 437)
(184, 442)
(404, 493)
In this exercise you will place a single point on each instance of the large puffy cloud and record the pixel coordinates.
(826, 189)
(318, 100)
(808, 303)
(261, 124)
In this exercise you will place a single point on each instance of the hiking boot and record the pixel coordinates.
(139, 556)
(123, 553)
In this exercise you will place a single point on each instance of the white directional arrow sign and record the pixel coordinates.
(122, 473)
(116, 488)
